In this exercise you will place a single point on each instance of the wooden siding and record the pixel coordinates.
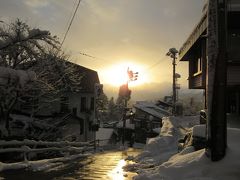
(197, 81)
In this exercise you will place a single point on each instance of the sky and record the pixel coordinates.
(120, 34)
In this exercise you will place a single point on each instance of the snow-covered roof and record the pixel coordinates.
(151, 109)
(89, 79)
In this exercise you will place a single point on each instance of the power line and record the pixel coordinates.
(146, 69)
(71, 22)
(91, 56)
(70, 17)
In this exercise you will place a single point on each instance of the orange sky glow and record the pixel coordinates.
(116, 74)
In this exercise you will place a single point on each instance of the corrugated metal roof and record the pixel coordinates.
(151, 109)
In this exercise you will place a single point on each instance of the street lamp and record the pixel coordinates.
(173, 53)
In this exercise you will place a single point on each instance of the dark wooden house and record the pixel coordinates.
(194, 50)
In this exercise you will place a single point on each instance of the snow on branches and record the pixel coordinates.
(32, 67)
(19, 43)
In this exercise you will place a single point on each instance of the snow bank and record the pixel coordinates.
(161, 148)
(196, 166)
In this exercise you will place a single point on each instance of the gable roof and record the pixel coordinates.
(88, 80)
(233, 9)
(64, 74)
(194, 37)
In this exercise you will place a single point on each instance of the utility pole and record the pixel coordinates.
(124, 116)
(216, 79)
(98, 90)
(126, 95)
(173, 53)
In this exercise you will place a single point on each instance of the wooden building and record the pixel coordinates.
(147, 119)
(74, 108)
(194, 50)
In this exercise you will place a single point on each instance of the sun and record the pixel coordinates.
(116, 74)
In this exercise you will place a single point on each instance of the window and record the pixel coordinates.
(83, 107)
(197, 66)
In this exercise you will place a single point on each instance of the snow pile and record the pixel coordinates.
(161, 148)
(189, 165)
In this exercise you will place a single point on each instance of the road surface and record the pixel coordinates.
(106, 165)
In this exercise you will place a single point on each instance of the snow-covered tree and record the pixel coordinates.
(55, 76)
(12, 83)
(30, 52)
(21, 44)
(102, 102)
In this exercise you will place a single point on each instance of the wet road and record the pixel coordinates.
(106, 165)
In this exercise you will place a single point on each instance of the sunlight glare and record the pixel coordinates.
(117, 173)
(116, 75)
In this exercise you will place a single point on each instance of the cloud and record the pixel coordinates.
(36, 3)
(102, 11)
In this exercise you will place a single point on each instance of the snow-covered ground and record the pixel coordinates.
(161, 161)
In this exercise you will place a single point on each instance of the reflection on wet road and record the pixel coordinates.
(106, 165)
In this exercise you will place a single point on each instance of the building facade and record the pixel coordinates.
(147, 120)
(74, 108)
(194, 50)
